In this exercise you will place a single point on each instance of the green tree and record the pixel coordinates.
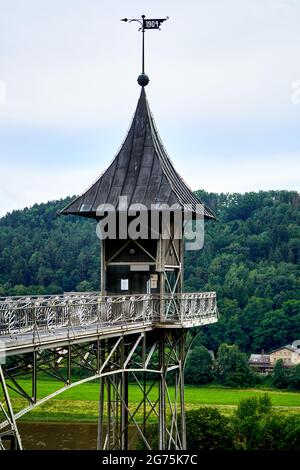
(256, 426)
(273, 330)
(208, 429)
(294, 378)
(291, 433)
(232, 367)
(198, 368)
(279, 375)
(84, 286)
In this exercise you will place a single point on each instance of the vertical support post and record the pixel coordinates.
(18, 442)
(100, 417)
(162, 393)
(144, 385)
(182, 407)
(161, 263)
(162, 299)
(181, 267)
(103, 269)
(124, 427)
(181, 244)
(143, 46)
(114, 380)
(100, 442)
(108, 391)
(69, 373)
(124, 403)
(34, 376)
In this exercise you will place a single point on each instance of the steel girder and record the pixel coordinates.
(152, 360)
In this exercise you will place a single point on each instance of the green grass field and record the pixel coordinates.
(81, 403)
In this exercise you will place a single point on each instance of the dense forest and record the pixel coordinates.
(250, 257)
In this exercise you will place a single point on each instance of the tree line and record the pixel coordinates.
(250, 258)
(253, 425)
(230, 368)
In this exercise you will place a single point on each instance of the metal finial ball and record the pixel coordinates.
(143, 79)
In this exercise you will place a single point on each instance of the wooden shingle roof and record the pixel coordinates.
(141, 170)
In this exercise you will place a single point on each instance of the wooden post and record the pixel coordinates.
(161, 263)
(102, 269)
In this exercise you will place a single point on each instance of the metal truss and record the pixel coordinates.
(10, 433)
(152, 360)
(118, 340)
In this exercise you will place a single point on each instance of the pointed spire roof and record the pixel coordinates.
(141, 170)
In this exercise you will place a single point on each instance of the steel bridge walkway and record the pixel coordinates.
(114, 339)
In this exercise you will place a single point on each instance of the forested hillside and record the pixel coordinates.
(251, 258)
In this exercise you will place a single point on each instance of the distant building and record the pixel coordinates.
(261, 362)
(289, 354)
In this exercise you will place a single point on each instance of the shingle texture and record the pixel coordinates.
(142, 171)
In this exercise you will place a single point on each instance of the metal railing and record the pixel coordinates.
(191, 307)
(75, 311)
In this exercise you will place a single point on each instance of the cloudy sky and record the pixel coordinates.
(224, 90)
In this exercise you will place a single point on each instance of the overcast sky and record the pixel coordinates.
(224, 83)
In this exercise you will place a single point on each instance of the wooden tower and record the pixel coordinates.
(143, 179)
(142, 262)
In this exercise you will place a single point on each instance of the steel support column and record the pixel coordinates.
(12, 433)
(162, 392)
(151, 359)
(181, 381)
(124, 403)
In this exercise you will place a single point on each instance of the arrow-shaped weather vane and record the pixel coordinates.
(143, 79)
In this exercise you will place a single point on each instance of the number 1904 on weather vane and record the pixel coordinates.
(149, 23)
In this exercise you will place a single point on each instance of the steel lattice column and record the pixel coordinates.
(11, 433)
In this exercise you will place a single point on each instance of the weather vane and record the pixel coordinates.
(143, 79)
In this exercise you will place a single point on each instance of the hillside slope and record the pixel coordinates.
(251, 258)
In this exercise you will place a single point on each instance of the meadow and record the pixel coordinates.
(81, 402)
